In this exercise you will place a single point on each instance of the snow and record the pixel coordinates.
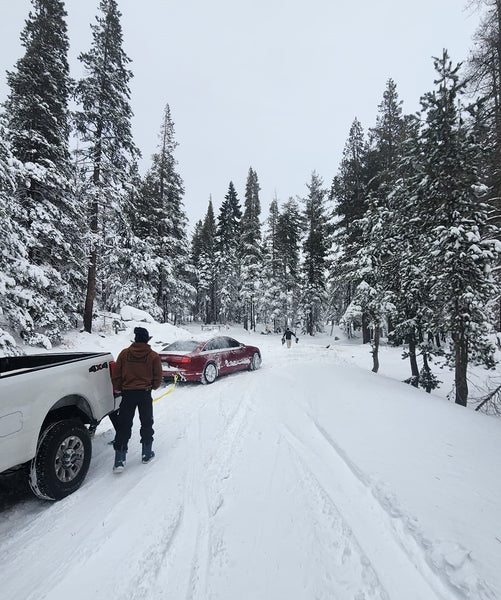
(311, 478)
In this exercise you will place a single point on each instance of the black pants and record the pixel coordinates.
(144, 403)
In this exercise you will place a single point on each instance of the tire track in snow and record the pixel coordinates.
(197, 544)
(382, 541)
(349, 573)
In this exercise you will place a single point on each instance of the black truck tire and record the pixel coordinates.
(62, 460)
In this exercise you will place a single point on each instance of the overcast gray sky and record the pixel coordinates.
(272, 84)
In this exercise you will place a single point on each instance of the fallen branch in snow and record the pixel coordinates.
(495, 397)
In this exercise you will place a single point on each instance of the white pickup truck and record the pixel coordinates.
(50, 405)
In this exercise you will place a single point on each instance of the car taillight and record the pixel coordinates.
(184, 359)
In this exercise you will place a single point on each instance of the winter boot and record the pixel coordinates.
(148, 453)
(119, 461)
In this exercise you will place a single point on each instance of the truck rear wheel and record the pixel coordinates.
(62, 460)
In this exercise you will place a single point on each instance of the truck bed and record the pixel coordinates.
(12, 365)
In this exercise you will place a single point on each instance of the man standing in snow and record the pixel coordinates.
(138, 370)
(287, 337)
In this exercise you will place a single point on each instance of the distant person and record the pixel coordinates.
(287, 337)
(138, 370)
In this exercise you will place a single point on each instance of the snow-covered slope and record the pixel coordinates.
(310, 478)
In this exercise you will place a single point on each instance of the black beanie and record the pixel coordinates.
(141, 335)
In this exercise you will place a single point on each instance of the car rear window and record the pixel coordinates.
(181, 345)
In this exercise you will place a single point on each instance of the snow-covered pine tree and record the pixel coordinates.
(271, 301)
(375, 266)
(108, 150)
(196, 250)
(204, 260)
(37, 127)
(131, 272)
(288, 246)
(386, 137)
(228, 232)
(162, 202)
(407, 275)
(251, 251)
(14, 264)
(348, 193)
(460, 251)
(315, 248)
(483, 78)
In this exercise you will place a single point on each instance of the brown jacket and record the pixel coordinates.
(138, 367)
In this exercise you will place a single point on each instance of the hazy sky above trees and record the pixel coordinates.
(272, 84)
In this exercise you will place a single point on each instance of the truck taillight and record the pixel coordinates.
(112, 367)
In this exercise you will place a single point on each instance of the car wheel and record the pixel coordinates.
(255, 362)
(62, 460)
(210, 373)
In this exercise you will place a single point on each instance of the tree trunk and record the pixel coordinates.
(375, 350)
(309, 323)
(92, 269)
(91, 292)
(94, 230)
(413, 361)
(461, 365)
(366, 334)
(426, 370)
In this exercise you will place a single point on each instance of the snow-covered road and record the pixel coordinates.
(308, 479)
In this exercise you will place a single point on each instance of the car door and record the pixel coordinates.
(236, 356)
(214, 351)
(224, 352)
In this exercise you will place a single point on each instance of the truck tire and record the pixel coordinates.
(62, 460)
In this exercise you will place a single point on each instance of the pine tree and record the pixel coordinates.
(162, 202)
(483, 77)
(374, 263)
(453, 253)
(196, 250)
(288, 248)
(387, 136)
(271, 301)
(104, 124)
(132, 267)
(14, 264)
(228, 233)
(349, 187)
(462, 254)
(37, 106)
(37, 127)
(251, 253)
(315, 248)
(349, 195)
(204, 259)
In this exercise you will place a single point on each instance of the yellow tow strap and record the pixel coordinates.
(168, 391)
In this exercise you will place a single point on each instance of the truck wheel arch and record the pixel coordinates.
(73, 405)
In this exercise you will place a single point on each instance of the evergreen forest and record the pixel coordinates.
(403, 244)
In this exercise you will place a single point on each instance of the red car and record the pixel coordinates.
(193, 360)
